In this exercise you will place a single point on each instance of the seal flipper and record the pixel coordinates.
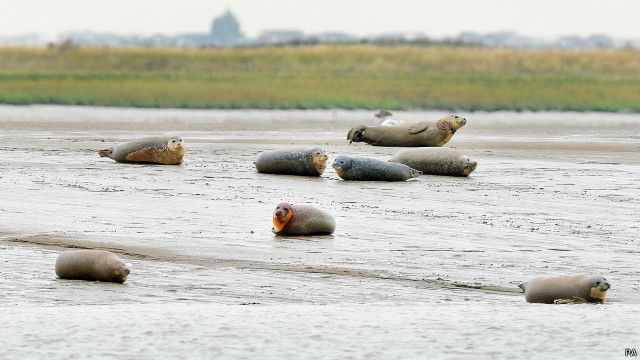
(573, 300)
(418, 127)
(105, 153)
(355, 134)
(522, 286)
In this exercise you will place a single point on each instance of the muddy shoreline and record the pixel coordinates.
(554, 193)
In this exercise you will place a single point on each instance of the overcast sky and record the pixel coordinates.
(549, 18)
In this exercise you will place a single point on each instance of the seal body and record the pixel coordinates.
(166, 150)
(301, 220)
(412, 134)
(294, 161)
(94, 265)
(365, 169)
(436, 161)
(588, 288)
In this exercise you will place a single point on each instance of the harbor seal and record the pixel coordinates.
(301, 220)
(166, 150)
(436, 161)
(559, 289)
(365, 169)
(94, 265)
(294, 161)
(412, 134)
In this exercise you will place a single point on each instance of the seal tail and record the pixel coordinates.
(355, 134)
(415, 173)
(521, 286)
(105, 153)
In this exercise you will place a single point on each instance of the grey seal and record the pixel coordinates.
(366, 169)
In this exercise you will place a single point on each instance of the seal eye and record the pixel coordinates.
(456, 116)
(597, 283)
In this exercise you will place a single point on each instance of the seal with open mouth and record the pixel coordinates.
(565, 289)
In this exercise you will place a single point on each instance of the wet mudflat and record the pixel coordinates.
(554, 193)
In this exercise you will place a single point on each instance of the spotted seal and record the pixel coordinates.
(301, 220)
(366, 169)
(436, 161)
(293, 161)
(411, 134)
(166, 150)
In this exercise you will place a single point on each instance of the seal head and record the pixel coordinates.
(176, 144)
(281, 216)
(451, 123)
(342, 164)
(318, 159)
(599, 287)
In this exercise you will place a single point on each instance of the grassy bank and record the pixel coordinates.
(324, 76)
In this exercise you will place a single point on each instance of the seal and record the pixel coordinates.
(294, 161)
(411, 134)
(301, 220)
(436, 161)
(564, 289)
(166, 150)
(366, 169)
(94, 265)
(385, 117)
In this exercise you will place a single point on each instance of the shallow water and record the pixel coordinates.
(554, 193)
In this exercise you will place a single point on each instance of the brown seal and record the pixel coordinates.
(94, 265)
(436, 161)
(563, 289)
(301, 220)
(412, 134)
(166, 150)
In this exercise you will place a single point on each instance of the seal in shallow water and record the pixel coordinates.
(293, 161)
(365, 169)
(166, 150)
(420, 133)
(301, 220)
(436, 161)
(94, 265)
(558, 289)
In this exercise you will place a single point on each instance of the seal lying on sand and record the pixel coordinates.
(301, 220)
(436, 161)
(94, 265)
(560, 289)
(365, 169)
(295, 161)
(167, 150)
(420, 133)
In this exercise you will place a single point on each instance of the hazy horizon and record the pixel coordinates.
(432, 18)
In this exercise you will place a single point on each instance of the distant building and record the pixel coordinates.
(225, 30)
